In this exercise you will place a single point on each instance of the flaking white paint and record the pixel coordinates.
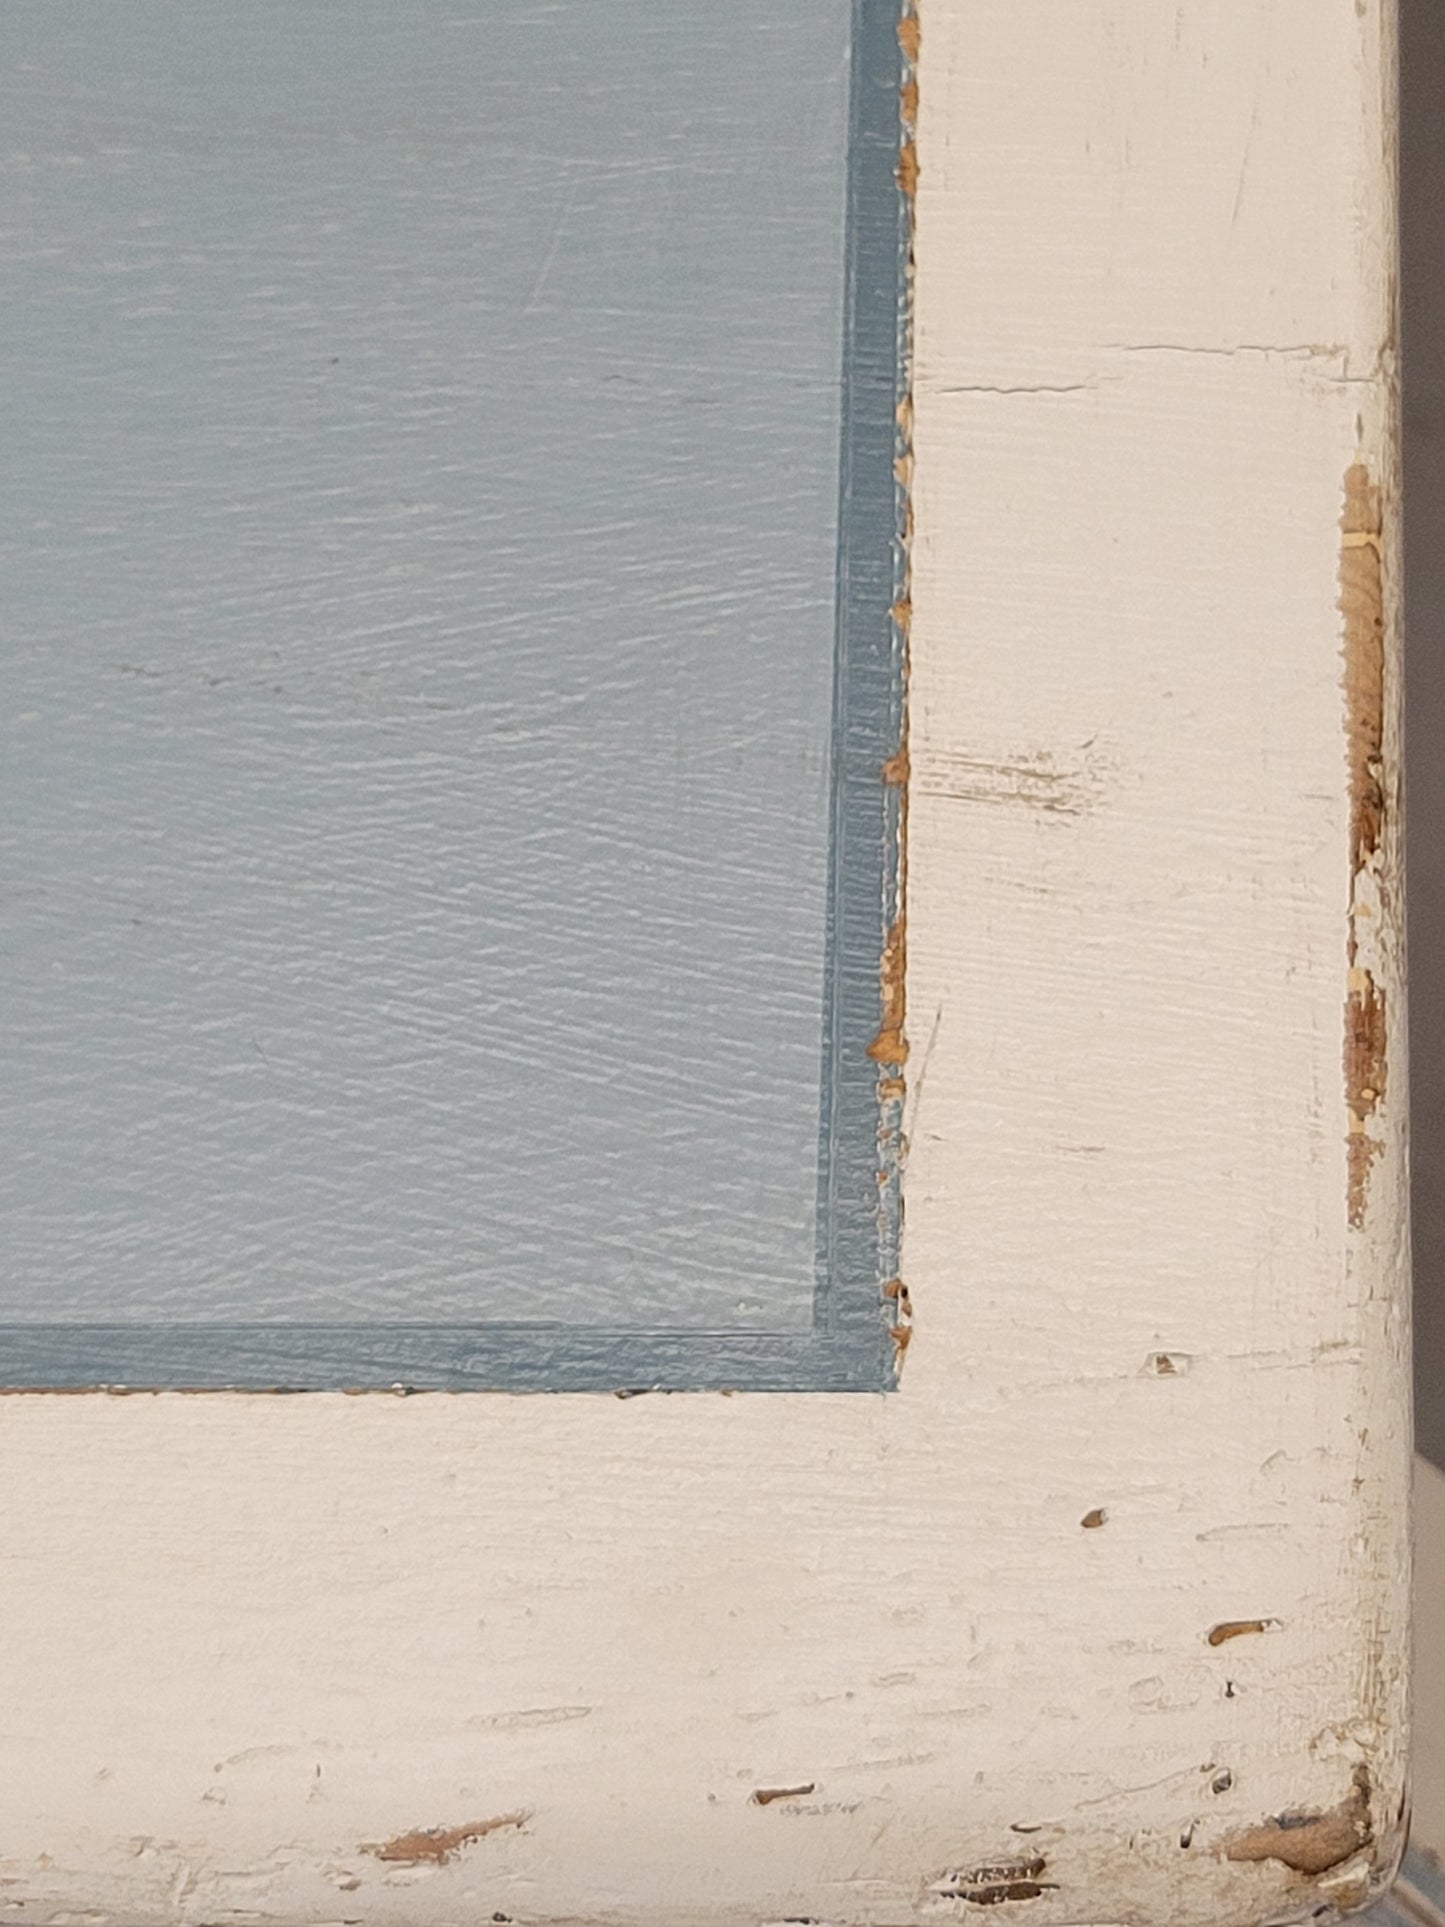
(250, 1641)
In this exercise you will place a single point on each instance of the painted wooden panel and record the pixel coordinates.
(1100, 1618)
(449, 670)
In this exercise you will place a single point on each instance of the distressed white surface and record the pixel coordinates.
(245, 1637)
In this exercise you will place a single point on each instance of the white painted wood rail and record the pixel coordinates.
(1101, 1617)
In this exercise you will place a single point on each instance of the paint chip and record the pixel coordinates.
(438, 1845)
(1228, 1629)
(1309, 1841)
(992, 1885)
(1362, 607)
(890, 1046)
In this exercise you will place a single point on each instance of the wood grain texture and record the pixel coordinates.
(246, 1637)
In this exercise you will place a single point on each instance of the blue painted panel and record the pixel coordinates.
(446, 684)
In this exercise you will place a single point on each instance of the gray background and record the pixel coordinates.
(1423, 329)
(418, 501)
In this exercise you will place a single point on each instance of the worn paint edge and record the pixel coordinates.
(1362, 610)
(889, 1047)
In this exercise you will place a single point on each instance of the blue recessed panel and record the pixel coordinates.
(448, 544)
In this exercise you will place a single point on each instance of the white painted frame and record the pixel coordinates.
(1101, 1617)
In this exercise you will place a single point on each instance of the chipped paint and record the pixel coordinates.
(1366, 1070)
(901, 1329)
(1362, 605)
(438, 1845)
(889, 1047)
(1362, 608)
(910, 43)
(1228, 1629)
(765, 1796)
(1309, 1841)
(896, 771)
(991, 1885)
